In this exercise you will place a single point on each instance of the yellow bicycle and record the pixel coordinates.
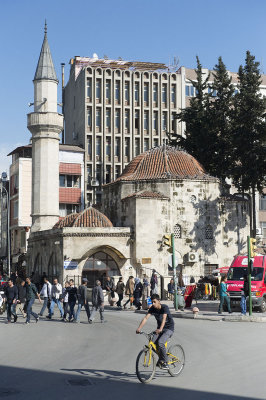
(146, 361)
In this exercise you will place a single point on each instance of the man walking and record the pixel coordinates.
(120, 291)
(56, 292)
(129, 291)
(72, 299)
(110, 289)
(31, 293)
(97, 302)
(83, 299)
(46, 293)
(21, 299)
(11, 293)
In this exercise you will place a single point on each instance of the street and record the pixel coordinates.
(52, 359)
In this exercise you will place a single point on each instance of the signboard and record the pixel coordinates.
(146, 260)
(70, 264)
(170, 260)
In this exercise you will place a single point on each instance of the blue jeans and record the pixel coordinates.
(29, 305)
(10, 310)
(227, 300)
(87, 309)
(53, 303)
(243, 305)
(45, 302)
(71, 309)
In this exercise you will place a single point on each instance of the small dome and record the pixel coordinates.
(164, 162)
(89, 218)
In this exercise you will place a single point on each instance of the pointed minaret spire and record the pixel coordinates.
(45, 68)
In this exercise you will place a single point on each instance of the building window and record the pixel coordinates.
(127, 92)
(137, 92)
(89, 87)
(146, 93)
(117, 91)
(263, 202)
(155, 142)
(15, 209)
(177, 231)
(90, 146)
(108, 118)
(146, 144)
(263, 229)
(117, 147)
(98, 118)
(99, 173)
(164, 93)
(137, 119)
(155, 120)
(89, 117)
(108, 90)
(164, 121)
(108, 146)
(117, 171)
(137, 147)
(108, 176)
(117, 119)
(98, 198)
(208, 232)
(212, 91)
(173, 122)
(127, 119)
(98, 146)
(89, 171)
(127, 147)
(173, 93)
(98, 89)
(70, 181)
(146, 120)
(155, 92)
(66, 209)
(190, 91)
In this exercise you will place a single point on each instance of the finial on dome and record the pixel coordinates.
(45, 27)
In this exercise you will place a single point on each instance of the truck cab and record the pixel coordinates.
(235, 281)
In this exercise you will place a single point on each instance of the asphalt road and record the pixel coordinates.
(56, 360)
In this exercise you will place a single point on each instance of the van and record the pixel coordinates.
(235, 281)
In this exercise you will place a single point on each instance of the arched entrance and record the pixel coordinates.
(98, 266)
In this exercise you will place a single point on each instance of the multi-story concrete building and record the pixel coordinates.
(116, 110)
(71, 183)
(4, 199)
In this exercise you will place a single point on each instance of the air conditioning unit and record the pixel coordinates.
(94, 182)
(193, 257)
(258, 231)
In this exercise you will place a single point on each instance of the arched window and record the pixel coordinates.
(52, 268)
(208, 232)
(177, 231)
(98, 266)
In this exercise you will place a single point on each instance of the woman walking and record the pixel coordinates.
(137, 293)
(120, 287)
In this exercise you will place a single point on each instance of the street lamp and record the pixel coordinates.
(4, 179)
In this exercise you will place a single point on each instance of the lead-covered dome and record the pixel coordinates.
(89, 218)
(163, 162)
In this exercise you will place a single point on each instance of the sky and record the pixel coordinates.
(144, 30)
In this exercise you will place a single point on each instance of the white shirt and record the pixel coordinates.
(46, 289)
(56, 290)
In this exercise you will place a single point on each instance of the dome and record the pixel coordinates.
(89, 218)
(164, 162)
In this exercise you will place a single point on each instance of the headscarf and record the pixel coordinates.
(137, 280)
(145, 282)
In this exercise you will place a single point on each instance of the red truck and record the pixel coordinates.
(235, 280)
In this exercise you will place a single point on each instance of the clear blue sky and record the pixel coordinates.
(146, 30)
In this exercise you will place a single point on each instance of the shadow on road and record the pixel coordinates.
(31, 384)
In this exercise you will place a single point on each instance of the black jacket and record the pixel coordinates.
(245, 288)
(11, 294)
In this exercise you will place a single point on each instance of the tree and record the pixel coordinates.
(248, 135)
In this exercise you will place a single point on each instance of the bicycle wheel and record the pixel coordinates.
(176, 359)
(145, 366)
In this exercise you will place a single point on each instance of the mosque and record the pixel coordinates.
(163, 190)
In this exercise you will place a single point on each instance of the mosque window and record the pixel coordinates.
(98, 266)
(208, 232)
(177, 231)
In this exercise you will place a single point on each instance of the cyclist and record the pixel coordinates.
(165, 327)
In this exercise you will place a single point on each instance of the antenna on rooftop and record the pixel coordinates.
(105, 57)
(173, 66)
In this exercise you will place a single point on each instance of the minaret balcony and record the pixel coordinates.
(45, 122)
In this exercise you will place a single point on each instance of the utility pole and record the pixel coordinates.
(174, 267)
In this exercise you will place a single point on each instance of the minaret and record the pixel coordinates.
(45, 124)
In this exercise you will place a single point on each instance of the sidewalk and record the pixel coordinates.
(208, 310)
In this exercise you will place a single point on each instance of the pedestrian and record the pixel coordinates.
(14, 277)
(56, 293)
(224, 296)
(145, 293)
(171, 289)
(21, 299)
(11, 296)
(129, 292)
(120, 287)
(137, 293)
(110, 289)
(244, 295)
(154, 283)
(46, 292)
(72, 299)
(31, 293)
(65, 301)
(83, 299)
(97, 302)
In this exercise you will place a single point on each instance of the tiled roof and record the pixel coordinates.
(164, 162)
(146, 195)
(89, 218)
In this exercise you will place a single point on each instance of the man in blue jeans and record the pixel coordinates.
(224, 296)
(56, 293)
(31, 293)
(83, 300)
